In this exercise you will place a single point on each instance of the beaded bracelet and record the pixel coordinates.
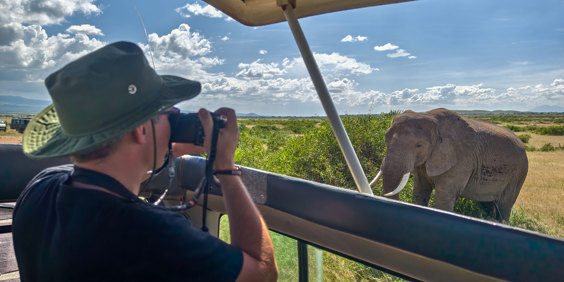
(233, 171)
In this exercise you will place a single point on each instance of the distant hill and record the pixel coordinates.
(249, 115)
(548, 109)
(485, 113)
(20, 105)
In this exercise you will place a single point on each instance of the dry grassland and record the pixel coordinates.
(10, 139)
(538, 141)
(542, 195)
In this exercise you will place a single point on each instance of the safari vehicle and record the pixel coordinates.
(412, 242)
(3, 126)
(19, 124)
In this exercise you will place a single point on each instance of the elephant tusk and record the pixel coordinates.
(378, 176)
(400, 186)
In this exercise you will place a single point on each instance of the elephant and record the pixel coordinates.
(455, 155)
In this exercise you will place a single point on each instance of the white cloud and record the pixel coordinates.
(25, 45)
(350, 38)
(181, 52)
(398, 53)
(225, 38)
(539, 94)
(263, 52)
(347, 38)
(198, 10)
(451, 96)
(385, 47)
(85, 29)
(31, 48)
(558, 83)
(232, 91)
(342, 63)
(259, 70)
(332, 65)
(27, 52)
(281, 82)
(209, 62)
(345, 93)
(180, 43)
(43, 12)
(341, 85)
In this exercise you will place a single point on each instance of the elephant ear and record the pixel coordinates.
(442, 158)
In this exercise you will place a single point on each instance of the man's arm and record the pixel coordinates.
(248, 232)
(248, 229)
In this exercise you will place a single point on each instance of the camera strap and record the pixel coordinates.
(209, 170)
(205, 184)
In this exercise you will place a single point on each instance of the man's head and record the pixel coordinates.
(99, 98)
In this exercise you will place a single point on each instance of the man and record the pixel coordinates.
(85, 222)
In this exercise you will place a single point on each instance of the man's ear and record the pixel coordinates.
(141, 133)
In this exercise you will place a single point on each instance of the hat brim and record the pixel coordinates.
(44, 137)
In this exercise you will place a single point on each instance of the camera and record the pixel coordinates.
(187, 128)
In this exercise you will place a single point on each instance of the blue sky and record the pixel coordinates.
(491, 55)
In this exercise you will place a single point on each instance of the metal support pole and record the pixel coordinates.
(303, 263)
(338, 128)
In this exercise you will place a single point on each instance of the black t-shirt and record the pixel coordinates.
(65, 233)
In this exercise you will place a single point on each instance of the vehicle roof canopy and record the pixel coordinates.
(263, 12)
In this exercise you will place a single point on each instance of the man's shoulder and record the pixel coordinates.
(55, 172)
(52, 176)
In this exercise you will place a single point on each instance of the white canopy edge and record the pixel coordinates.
(263, 12)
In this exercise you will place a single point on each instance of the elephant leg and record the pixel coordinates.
(422, 189)
(445, 201)
(507, 199)
(446, 193)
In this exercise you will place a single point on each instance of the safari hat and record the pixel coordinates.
(100, 97)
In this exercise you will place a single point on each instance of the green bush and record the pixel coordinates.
(547, 148)
(473, 208)
(557, 130)
(514, 128)
(524, 138)
(521, 219)
(551, 130)
(315, 155)
(299, 126)
(530, 148)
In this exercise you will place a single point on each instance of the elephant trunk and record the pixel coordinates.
(404, 179)
(395, 174)
(398, 189)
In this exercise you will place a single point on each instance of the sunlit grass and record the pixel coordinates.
(538, 141)
(542, 194)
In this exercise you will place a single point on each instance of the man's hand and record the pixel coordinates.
(227, 139)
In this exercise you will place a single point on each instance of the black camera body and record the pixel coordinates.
(187, 128)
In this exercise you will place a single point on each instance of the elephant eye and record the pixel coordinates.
(419, 145)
